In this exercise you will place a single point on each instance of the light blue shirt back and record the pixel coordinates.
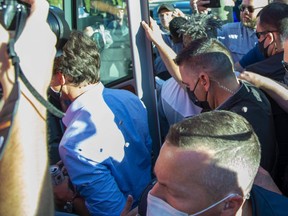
(106, 148)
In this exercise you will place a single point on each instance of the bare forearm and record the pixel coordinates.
(168, 55)
(25, 184)
(278, 92)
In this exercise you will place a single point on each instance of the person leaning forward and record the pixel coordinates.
(207, 71)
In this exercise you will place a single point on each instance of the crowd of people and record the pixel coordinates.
(223, 123)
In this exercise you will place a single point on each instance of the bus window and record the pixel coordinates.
(126, 54)
(56, 3)
(106, 22)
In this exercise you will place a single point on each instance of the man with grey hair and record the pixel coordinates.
(204, 167)
(207, 71)
(209, 169)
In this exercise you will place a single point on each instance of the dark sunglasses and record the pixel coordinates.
(250, 8)
(285, 65)
(258, 34)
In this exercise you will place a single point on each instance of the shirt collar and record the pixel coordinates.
(81, 101)
(251, 32)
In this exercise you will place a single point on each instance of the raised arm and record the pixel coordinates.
(167, 54)
(198, 5)
(25, 182)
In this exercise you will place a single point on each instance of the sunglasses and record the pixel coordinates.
(250, 8)
(258, 34)
(285, 65)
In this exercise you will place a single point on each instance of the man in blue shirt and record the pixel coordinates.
(106, 147)
(240, 37)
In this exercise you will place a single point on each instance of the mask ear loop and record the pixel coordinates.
(215, 204)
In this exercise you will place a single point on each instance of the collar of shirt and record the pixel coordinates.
(94, 92)
(251, 32)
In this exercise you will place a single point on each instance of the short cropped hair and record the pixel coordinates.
(231, 142)
(284, 29)
(80, 61)
(209, 55)
(271, 16)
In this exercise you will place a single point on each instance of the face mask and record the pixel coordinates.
(156, 206)
(203, 104)
(263, 50)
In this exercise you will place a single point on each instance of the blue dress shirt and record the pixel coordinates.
(106, 148)
(238, 39)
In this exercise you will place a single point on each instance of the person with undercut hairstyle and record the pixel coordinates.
(206, 68)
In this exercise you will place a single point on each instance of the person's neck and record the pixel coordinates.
(76, 91)
(225, 91)
(277, 48)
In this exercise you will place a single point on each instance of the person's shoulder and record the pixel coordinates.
(123, 95)
(231, 25)
(265, 202)
(256, 92)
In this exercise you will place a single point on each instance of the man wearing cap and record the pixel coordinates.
(165, 14)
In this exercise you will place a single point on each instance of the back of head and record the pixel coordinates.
(80, 61)
(230, 142)
(174, 27)
(200, 25)
(207, 55)
(271, 16)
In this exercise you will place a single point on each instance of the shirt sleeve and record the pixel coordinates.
(253, 56)
(100, 190)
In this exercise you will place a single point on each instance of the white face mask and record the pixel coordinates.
(156, 206)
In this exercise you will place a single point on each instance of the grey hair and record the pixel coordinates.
(232, 145)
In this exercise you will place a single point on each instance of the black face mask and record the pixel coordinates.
(203, 104)
(263, 50)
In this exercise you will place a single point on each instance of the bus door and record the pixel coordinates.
(126, 54)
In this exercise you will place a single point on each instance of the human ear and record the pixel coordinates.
(205, 81)
(271, 37)
(232, 206)
(57, 81)
(61, 78)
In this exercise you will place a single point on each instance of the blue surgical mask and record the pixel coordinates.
(156, 206)
(203, 104)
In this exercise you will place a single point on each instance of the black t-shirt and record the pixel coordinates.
(271, 67)
(254, 106)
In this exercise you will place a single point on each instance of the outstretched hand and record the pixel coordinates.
(36, 46)
(198, 5)
(253, 78)
(153, 32)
